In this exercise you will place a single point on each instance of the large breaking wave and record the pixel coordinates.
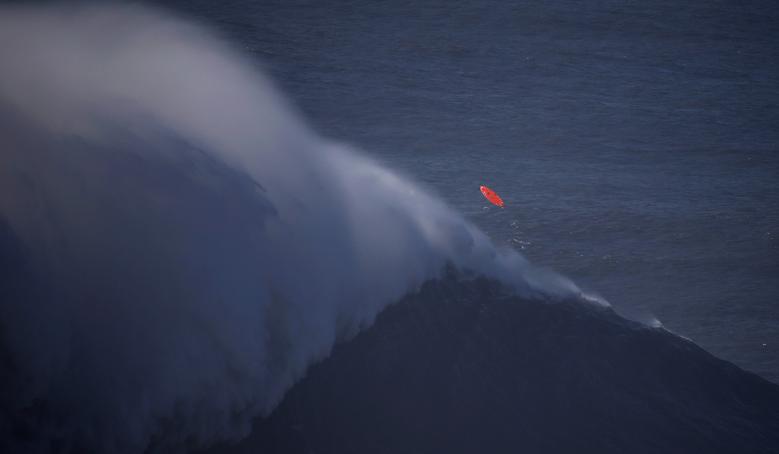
(176, 247)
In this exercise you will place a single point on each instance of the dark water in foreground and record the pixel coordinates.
(461, 367)
(634, 142)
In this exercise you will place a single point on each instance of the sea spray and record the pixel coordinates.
(177, 246)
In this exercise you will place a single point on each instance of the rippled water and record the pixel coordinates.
(635, 143)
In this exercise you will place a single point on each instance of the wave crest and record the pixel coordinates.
(178, 246)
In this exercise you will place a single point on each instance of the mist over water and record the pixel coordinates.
(634, 142)
(177, 246)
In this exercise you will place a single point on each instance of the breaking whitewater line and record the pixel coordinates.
(182, 247)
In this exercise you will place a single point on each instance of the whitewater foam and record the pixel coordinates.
(182, 247)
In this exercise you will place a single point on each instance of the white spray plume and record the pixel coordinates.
(177, 246)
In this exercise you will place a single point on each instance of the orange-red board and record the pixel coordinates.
(491, 195)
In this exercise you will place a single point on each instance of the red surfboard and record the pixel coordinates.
(491, 195)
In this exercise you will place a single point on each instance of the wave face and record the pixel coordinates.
(176, 246)
(465, 366)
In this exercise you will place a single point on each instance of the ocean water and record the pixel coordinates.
(187, 261)
(635, 143)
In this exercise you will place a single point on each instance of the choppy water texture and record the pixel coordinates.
(635, 143)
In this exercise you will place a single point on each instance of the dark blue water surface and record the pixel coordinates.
(636, 143)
